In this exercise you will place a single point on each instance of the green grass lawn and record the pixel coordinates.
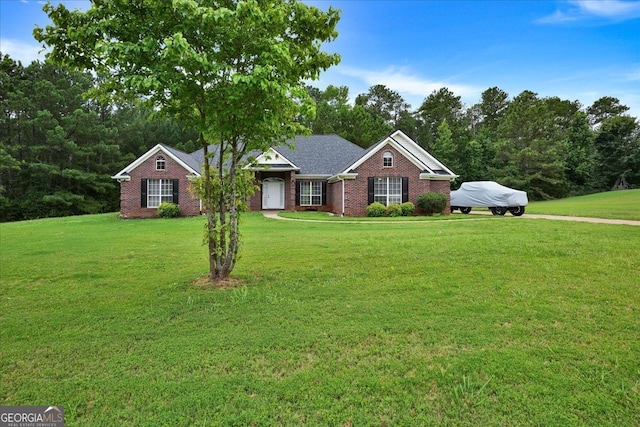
(450, 323)
(325, 216)
(612, 204)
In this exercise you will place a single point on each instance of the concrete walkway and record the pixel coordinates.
(274, 215)
(571, 218)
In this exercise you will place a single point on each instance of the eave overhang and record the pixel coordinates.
(342, 177)
(437, 177)
(124, 174)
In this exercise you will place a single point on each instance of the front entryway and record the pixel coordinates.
(273, 193)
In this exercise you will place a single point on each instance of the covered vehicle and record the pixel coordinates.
(498, 198)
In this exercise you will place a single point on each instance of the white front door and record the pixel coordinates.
(273, 193)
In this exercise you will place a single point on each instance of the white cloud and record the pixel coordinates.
(611, 10)
(617, 9)
(405, 82)
(21, 51)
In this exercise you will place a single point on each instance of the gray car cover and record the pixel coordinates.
(487, 194)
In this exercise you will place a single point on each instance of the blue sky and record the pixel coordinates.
(577, 50)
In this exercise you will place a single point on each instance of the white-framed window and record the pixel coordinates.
(387, 160)
(160, 163)
(310, 193)
(158, 191)
(387, 190)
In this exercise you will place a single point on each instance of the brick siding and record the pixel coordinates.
(130, 190)
(356, 191)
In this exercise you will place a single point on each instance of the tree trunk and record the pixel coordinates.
(208, 205)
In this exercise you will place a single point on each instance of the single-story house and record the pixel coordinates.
(318, 172)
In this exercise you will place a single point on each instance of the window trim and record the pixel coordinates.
(371, 191)
(312, 185)
(387, 195)
(387, 156)
(161, 161)
(167, 196)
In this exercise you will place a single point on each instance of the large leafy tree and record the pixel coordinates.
(605, 108)
(232, 69)
(335, 115)
(439, 106)
(388, 109)
(531, 152)
(617, 145)
(332, 110)
(492, 106)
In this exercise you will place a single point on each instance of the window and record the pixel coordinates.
(158, 191)
(387, 159)
(160, 163)
(310, 193)
(387, 190)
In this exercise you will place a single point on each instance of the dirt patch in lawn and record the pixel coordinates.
(205, 282)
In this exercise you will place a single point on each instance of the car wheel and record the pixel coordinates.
(465, 210)
(498, 210)
(517, 211)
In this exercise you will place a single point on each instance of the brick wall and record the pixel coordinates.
(334, 197)
(130, 190)
(255, 201)
(356, 191)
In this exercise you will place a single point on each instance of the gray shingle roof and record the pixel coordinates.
(314, 155)
(192, 162)
(321, 154)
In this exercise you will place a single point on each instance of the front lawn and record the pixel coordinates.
(452, 323)
(612, 204)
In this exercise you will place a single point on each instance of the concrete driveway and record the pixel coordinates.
(274, 215)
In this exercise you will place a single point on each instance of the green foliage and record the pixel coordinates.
(551, 340)
(57, 153)
(376, 209)
(59, 149)
(617, 145)
(221, 189)
(544, 146)
(393, 210)
(408, 209)
(233, 71)
(168, 210)
(432, 203)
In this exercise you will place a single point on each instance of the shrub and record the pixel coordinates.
(408, 208)
(431, 203)
(168, 210)
(376, 209)
(393, 209)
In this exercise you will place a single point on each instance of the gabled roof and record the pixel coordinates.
(188, 159)
(429, 165)
(315, 155)
(318, 155)
(183, 159)
(321, 154)
(273, 160)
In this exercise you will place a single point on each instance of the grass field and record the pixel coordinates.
(613, 204)
(487, 321)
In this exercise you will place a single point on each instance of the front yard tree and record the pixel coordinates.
(233, 69)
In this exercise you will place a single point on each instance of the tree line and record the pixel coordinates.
(547, 146)
(59, 148)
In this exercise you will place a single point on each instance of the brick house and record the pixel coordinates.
(319, 172)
